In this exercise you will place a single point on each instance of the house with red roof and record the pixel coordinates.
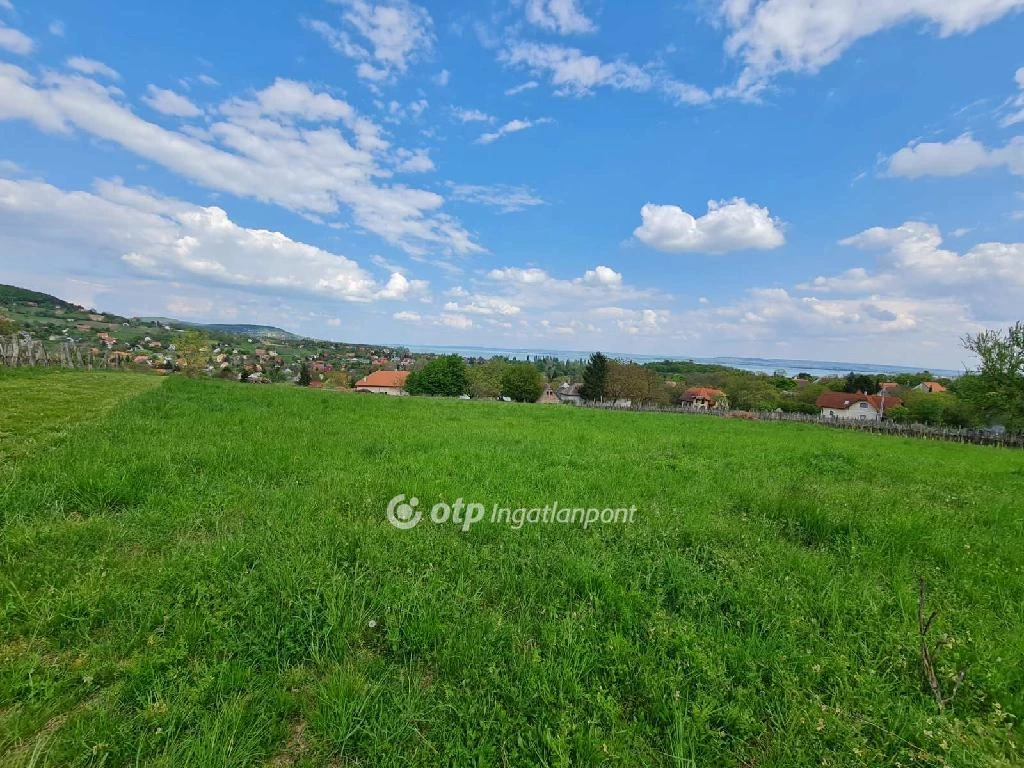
(856, 405)
(705, 398)
(931, 387)
(384, 382)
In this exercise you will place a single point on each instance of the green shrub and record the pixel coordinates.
(446, 377)
(522, 382)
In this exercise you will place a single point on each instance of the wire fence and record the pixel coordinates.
(886, 427)
(20, 351)
(17, 351)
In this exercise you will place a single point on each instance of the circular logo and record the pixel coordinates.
(401, 515)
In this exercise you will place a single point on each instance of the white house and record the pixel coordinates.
(384, 382)
(855, 405)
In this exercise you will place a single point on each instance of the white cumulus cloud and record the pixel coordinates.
(263, 148)
(773, 36)
(564, 17)
(459, 322)
(471, 115)
(574, 73)
(15, 40)
(960, 156)
(170, 103)
(127, 230)
(729, 225)
(92, 67)
(515, 90)
(384, 37)
(512, 126)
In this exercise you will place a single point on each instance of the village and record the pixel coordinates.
(38, 329)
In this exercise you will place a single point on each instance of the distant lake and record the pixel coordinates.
(756, 364)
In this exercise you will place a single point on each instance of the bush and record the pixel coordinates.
(924, 408)
(445, 376)
(752, 393)
(485, 378)
(900, 414)
(522, 382)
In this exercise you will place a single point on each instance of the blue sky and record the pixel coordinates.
(777, 178)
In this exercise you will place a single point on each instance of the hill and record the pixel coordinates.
(12, 294)
(243, 329)
(36, 307)
(223, 587)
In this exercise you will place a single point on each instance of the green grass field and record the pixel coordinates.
(202, 573)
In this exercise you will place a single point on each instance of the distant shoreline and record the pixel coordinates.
(756, 364)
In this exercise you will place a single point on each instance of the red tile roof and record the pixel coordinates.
(707, 393)
(934, 386)
(843, 400)
(394, 379)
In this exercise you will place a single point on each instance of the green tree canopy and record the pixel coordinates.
(595, 377)
(860, 382)
(752, 393)
(636, 383)
(444, 376)
(485, 378)
(997, 390)
(193, 347)
(522, 382)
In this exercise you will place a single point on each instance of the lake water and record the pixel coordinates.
(757, 364)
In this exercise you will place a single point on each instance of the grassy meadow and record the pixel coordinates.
(200, 573)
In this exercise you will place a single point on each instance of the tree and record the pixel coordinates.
(629, 381)
(997, 390)
(522, 382)
(809, 394)
(752, 393)
(337, 380)
(899, 413)
(860, 382)
(444, 376)
(782, 382)
(194, 348)
(958, 413)
(485, 378)
(304, 377)
(924, 408)
(7, 326)
(595, 377)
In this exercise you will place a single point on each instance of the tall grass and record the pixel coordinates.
(204, 575)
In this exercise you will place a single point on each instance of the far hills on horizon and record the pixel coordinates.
(12, 294)
(15, 294)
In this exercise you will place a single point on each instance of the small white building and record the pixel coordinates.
(855, 405)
